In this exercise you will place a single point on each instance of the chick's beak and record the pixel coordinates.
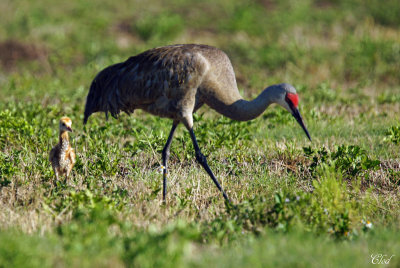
(299, 119)
(69, 129)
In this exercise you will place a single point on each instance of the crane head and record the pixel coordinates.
(290, 101)
(65, 124)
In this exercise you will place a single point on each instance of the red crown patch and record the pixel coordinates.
(294, 98)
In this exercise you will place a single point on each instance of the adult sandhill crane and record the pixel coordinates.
(173, 82)
(62, 156)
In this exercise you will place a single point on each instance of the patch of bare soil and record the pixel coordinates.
(13, 51)
(268, 4)
(324, 4)
(125, 35)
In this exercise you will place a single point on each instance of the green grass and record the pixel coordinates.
(297, 203)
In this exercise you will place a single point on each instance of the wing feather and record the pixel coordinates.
(141, 80)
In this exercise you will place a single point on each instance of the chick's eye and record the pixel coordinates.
(63, 124)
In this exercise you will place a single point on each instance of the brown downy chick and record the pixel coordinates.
(62, 156)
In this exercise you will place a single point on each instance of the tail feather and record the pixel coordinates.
(104, 95)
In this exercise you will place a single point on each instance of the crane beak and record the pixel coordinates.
(69, 129)
(299, 119)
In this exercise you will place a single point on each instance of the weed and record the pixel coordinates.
(350, 159)
(9, 166)
(393, 134)
(385, 15)
(387, 97)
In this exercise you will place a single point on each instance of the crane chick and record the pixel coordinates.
(62, 156)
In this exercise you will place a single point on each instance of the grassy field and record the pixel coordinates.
(332, 202)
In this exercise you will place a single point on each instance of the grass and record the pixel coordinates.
(332, 202)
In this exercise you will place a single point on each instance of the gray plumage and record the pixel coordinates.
(174, 81)
(157, 81)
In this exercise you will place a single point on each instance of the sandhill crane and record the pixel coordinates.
(62, 156)
(174, 81)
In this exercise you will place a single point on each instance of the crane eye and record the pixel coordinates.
(63, 124)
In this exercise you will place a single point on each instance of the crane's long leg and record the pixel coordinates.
(57, 176)
(165, 157)
(203, 161)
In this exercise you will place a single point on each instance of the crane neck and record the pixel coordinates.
(64, 139)
(243, 110)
